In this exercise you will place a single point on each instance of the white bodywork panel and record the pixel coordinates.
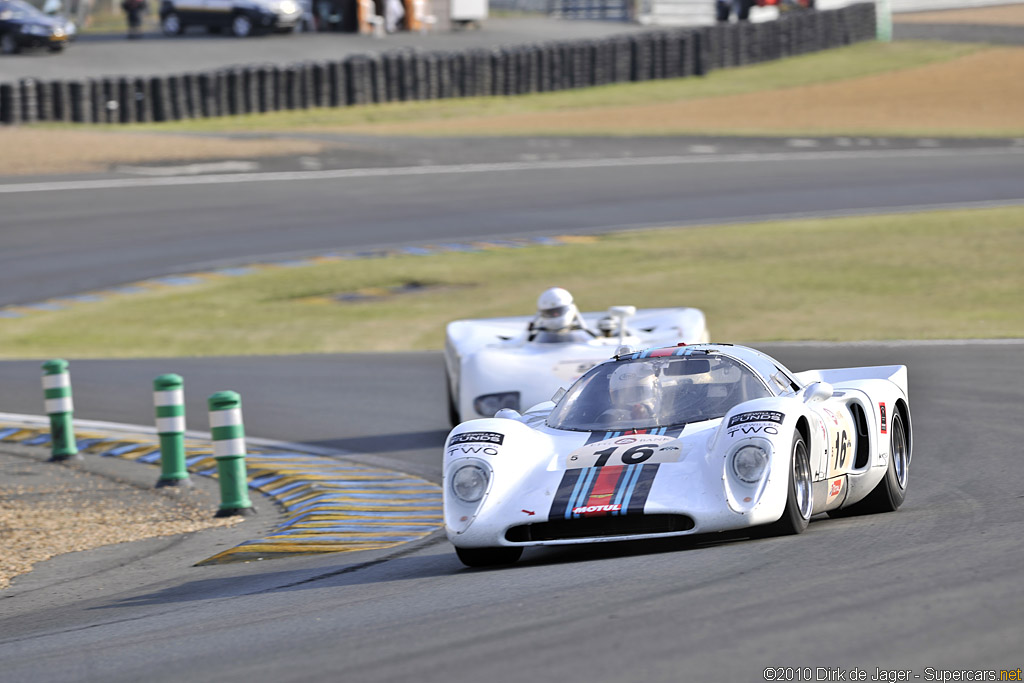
(490, 356)
(544, 481)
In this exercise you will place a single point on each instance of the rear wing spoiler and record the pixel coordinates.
(897, 374)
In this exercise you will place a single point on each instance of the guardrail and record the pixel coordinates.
(413, 75)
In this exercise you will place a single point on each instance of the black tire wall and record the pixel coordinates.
(405, 75)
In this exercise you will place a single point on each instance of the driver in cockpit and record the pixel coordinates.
(634, 392)
(557, 319)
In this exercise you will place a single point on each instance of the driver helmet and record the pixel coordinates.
(633, 387)
(555, 310)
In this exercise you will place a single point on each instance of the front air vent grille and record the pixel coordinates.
(599, 527)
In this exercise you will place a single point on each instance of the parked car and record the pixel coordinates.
(23, 26)
(60, 12)
(677, 441)
(241, 17)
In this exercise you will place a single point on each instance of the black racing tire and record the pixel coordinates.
(453, 410)
(890, 492)
(9, 44)
(489, 557)
(800, 498)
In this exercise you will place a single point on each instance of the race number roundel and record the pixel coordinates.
(628, 449)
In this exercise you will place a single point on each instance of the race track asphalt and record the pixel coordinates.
(69, 240)
(933, 585)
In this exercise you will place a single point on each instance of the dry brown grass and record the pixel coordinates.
(980, 91)
(1008, 15)
(44, 150)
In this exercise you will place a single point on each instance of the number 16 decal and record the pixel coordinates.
(654, 448)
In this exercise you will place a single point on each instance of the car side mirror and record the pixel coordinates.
(508, 414)
(622, 311)
(815, 392)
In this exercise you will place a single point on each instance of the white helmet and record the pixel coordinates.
(555, 310)
(634, 385)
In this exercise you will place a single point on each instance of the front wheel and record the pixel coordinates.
(453, 409)
(488, 557)
(241, 26)
(800, 498)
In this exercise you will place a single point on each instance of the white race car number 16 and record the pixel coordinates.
(627, 450)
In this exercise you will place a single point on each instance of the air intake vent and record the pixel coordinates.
(599, 527)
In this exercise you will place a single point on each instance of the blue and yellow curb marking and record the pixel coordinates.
(188, 279)
(331, 505)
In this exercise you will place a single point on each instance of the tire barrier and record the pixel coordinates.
(405, 75)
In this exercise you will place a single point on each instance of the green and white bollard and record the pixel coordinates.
(59, 406)
(883, 21)
(169, 400)
(229, 450)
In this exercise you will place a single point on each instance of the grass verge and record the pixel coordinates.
(949, 274)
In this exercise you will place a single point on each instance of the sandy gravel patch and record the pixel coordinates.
(42, 150)
(972, 95)
(1000, 15)
(48, 509)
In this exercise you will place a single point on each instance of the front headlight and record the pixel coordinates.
(287, 7)
(469, 483)
(488, 404)
(749, 463)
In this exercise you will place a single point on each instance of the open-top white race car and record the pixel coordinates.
(506, 363)
(676, 441)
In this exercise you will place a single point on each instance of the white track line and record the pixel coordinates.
(504, 167)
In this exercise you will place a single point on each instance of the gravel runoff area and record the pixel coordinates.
(48, 509)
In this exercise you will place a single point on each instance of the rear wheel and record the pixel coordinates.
(889, 494)
(8, 44)
(800, 499)
(488, 557)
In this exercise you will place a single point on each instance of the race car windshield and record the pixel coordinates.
(656, 392)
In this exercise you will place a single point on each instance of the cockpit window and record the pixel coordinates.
(656, 392)
(560, 337)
